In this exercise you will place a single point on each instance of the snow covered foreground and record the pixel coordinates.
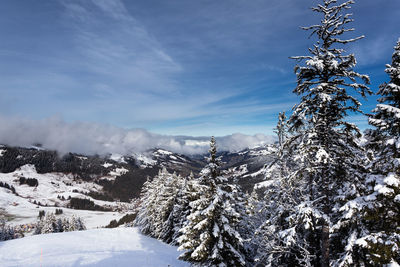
(97, 247)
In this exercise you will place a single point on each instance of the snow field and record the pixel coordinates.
(51, 185)
(98, 247)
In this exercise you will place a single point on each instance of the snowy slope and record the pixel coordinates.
(21, 209)
(50, 185)
(99, 247)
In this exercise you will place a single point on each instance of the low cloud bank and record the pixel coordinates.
(92, 138)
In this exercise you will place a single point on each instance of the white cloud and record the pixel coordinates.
(92, 138)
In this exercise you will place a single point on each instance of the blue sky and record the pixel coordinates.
(171, 67)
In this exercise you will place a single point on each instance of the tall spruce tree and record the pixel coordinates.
(281, 131)
(169, 210)
(164, 206)
(281, 162)
(381, 244)
(276, 235)
(209, 237)
(148, 219)
(312, 227)
(181, 209)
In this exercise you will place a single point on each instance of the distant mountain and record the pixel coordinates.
(102, 188)
(247, 167)
(121, 177)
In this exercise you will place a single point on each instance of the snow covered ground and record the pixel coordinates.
(21, 209)
(97, 247)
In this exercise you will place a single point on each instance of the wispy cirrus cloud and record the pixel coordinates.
(114, 45)
(132, 71)
(195, 66)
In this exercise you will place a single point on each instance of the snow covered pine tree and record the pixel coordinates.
(148, 220)
(50, 224)
(6, 232)
(272, 237)
(209, 237)
(163, 206)
(169, 209)
(181, 209)
(314, 229)
(382, 243)
(281, 163)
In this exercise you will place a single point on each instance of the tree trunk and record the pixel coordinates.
(325, 245)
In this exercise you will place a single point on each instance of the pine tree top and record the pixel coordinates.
(328, 72)
(387, 113)
(213, 150)
(213, 165)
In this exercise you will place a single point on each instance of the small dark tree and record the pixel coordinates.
(6, 232)
(59, 211)
(29, 181)
(41, 213)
